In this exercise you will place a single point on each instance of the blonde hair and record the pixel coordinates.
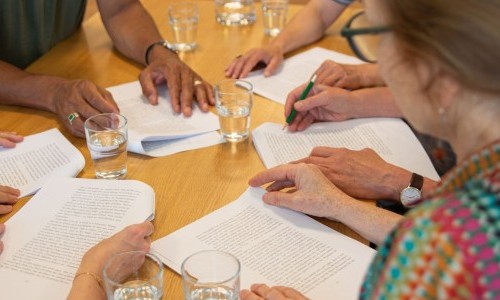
(460, 37)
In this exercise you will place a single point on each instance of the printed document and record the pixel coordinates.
(295, 71)
(45, 241)
(276, 246)
(38, 158)
(156, 130)
(391, 138)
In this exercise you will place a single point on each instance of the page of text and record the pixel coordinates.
(275, 246)
(45, 241)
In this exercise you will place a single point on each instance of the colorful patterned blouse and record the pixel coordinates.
(449, 246)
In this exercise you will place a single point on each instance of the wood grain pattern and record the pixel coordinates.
(188, 185)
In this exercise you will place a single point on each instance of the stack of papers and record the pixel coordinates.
(295, 71)
(156, 130)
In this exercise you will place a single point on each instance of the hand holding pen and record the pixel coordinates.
(291, 116)
(323, 103)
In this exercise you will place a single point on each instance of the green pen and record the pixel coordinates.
(306, 91)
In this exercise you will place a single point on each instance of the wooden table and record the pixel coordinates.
(188, 185)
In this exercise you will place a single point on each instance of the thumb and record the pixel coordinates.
(148, 87)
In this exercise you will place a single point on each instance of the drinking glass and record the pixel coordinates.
(107, 136)
(235, 12)
(133, 275)
(211, 274)
(274, 14)
(233, 100)
(183, 19)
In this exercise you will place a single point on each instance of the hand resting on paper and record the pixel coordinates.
(325, 103)
(8, 195)
(271, 56)
(9, 139)
(184, 85)
(304, 188)
(348, 76)
(362, 174)
(132, 238)
(264, 292)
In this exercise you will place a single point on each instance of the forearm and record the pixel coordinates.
(371, 222)
(374, 102)
(131, 38)
(308, 25)
(18, 87)
(370, 76)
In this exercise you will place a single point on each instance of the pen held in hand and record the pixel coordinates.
(306, 91)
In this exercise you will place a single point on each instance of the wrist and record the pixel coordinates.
(159, 50)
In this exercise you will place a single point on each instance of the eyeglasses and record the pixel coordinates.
(363, 38)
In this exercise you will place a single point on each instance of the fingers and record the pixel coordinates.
(282, 172)
(100, 99)
(9, 139)
(247, 295)
(292, 97)
(323, 151)
(148, 86)
(5, 209)
(8, 195)
(273, 65)
(2, 230)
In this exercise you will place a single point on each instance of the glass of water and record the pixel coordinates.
(107, 137)
(211, 274)
(235, 12)
(183, 18)
(233, 100)
(274, 14)
(133, 275)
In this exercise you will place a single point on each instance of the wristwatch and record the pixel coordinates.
(412, 194)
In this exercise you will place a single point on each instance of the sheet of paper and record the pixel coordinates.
(391, 138)
(152, 123)
(276, 246)
(38, 158)
(295, 71)
(46, 239)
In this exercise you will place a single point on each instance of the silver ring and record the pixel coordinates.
(72, 116)
(197, 82)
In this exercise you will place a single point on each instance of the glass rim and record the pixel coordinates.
(87, 121)
(146, 254)
(247, 85)
(237, 273)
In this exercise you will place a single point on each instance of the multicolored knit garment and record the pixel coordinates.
(449, 246)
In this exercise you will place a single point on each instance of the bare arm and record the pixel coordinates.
(308, 25)
(130, 38)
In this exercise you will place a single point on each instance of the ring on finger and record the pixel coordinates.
(197, 82)
(72, 117)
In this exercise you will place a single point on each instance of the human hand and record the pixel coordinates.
(272, 56)
(313, 193)
(8, 197)
(348, 76)
(361, 174)
(2, 230)
(323, 103)
(184, 85)
(81, 96)
(9, 139)
(263, 292)
(132, 238)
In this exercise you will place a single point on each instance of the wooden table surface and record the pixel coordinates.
(191, 184)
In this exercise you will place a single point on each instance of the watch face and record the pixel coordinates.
(410, 195)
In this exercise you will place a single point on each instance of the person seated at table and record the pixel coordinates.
(28, 29)
(88, 281)
(307, 26)
(444, 77)
(8, 195)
